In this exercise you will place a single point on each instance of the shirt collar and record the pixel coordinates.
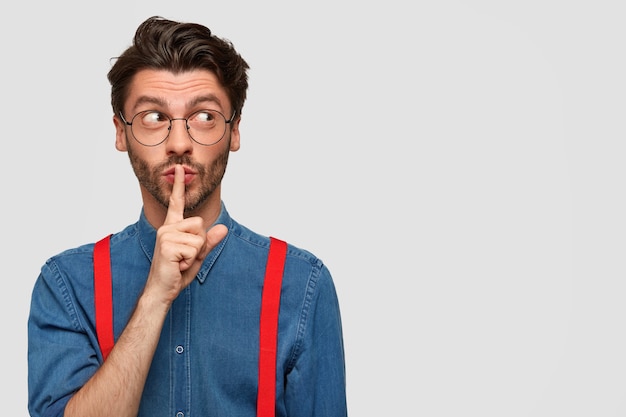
(147, 239)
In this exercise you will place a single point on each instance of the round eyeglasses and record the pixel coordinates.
(152, 127)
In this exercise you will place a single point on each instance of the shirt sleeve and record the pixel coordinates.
(61, 353)
(316, 384)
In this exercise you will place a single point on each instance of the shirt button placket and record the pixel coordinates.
(179, 349)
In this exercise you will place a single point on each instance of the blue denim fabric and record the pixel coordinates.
(206, 362)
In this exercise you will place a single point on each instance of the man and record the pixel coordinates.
(187, 280)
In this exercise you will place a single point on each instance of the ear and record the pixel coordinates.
(120, 134)
(234, 135)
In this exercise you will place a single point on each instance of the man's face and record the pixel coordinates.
(177, 96)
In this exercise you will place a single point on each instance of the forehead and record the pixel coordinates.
(175, 92)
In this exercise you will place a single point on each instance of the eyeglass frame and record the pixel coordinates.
(169, 129)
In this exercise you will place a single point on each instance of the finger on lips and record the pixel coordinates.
(177, 198)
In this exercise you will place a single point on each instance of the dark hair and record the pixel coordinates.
(164, 44)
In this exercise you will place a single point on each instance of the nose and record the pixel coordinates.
(178, 141)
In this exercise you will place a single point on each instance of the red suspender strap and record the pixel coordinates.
(103, 295)
(270, 304)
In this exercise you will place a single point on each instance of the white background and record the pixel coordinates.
(457, 164)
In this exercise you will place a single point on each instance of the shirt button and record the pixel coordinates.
(180, 414)
(179, 349)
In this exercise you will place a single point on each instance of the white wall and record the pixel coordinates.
(466, 190)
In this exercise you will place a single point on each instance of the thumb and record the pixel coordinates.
(213, 237)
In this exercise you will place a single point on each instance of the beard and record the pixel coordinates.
(151, 178)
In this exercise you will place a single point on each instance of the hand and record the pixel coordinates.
(181, 246)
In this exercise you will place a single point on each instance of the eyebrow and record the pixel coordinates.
(207, 98)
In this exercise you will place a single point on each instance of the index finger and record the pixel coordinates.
(177, 198)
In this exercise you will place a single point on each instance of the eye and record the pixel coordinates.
(151, 118)
(203, 116)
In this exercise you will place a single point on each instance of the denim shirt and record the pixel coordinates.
(206, 361)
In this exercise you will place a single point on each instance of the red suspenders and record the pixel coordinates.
(270, 304)
(269, 327)
(103, 295)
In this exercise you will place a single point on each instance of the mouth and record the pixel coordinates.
(168, 174)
